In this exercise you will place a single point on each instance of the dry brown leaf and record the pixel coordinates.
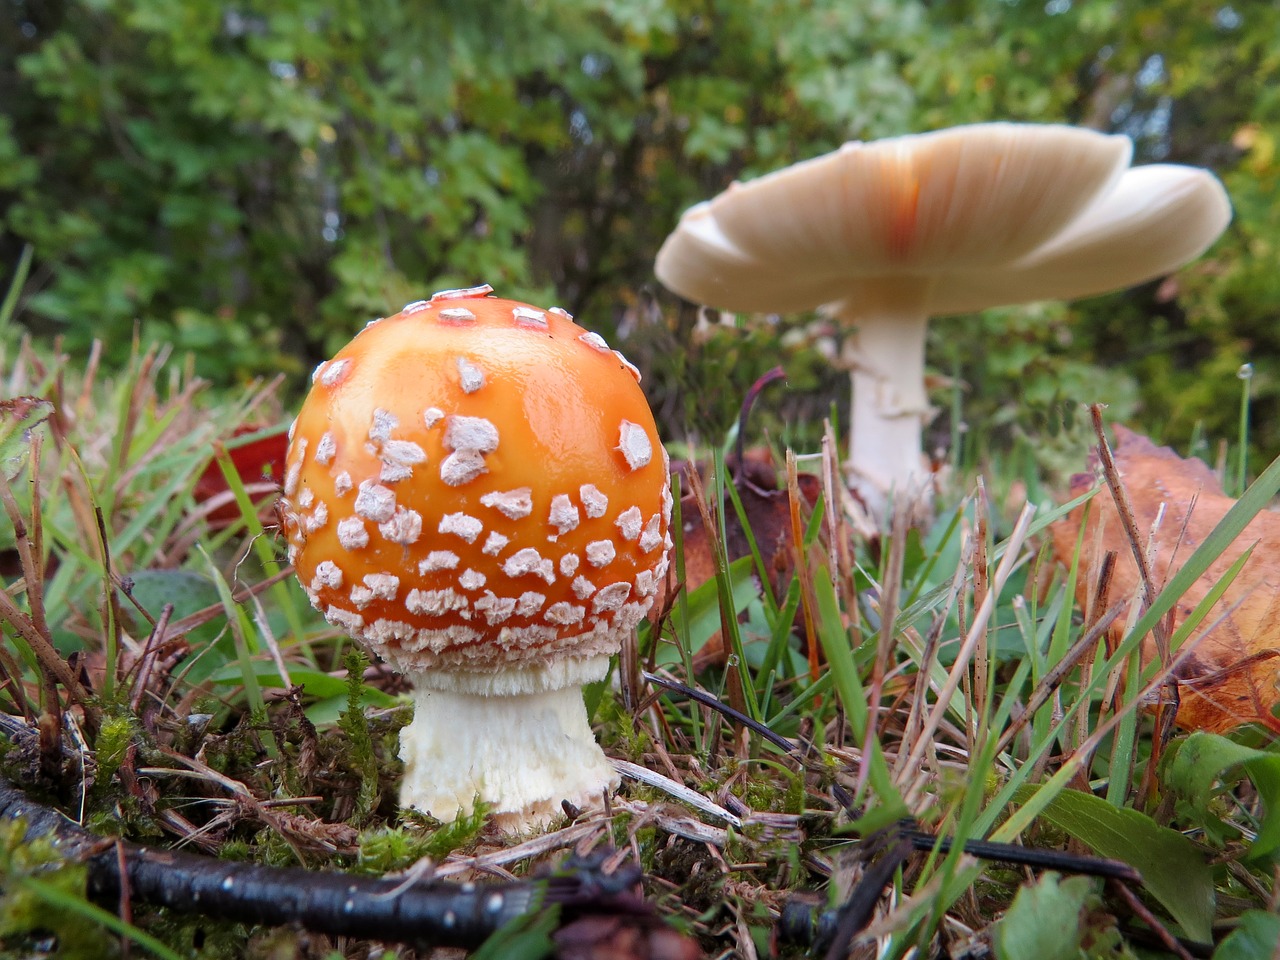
(1232, 675)
(769, 516)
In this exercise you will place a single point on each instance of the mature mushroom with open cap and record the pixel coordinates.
(890, 233)
(475, 489)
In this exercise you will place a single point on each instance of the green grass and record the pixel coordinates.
(958, 684)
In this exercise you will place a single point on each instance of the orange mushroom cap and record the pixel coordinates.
(476, 485)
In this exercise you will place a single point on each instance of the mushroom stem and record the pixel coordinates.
(520, 753)
(890, 407)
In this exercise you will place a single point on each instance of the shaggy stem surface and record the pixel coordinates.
(520, 753)
(890, 406)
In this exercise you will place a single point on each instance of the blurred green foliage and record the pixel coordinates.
(253, 180)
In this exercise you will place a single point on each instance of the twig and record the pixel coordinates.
(855, 913)
(923, 840)
(686, 827)
(154, 642)
(1025, 856)
(677, 790)
(210, 613)
(1058, 673)
(536, 847)
(707, 700)
(1166, 939)
(445, 914)
(1166, 711)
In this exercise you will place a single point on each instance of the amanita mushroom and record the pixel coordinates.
(475, 490)
(893, 232)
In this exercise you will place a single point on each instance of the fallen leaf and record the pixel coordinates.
(768, 514)
(1232, 675)
(256, 461)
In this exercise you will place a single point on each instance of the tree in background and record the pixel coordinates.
(251, 181)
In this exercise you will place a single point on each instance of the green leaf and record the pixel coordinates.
(1173, 868)
(188, 592)
(1257, 936)
(1044, 921)
(314, 683)
(526, 937)
(18, 418)
(1204, 758)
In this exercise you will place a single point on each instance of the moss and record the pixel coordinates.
(115, 736)
(30, 923)
(196, 936)
(361, 760)
(387, 849)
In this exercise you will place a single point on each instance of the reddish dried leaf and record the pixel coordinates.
(1232, 677)
(256, 461)
(768, 515)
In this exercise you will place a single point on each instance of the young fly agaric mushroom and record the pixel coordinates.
(892, 232)
(476, 490)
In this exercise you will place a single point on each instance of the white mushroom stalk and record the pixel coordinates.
(527, 741)
(891, 233)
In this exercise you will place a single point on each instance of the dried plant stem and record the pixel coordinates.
(838, 500)
(981, 587)
(924, 673)
(1097, 606)
(31, 626)
(149, 652)
(1166, 939)
(1049, 683)
(808, 600)
(980, 618)
(890, 588)
(1124, 508)
(11, 682)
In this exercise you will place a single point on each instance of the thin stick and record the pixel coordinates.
(1050, 681)
(149, 652)
(719, 706)
(1124, 507)
(980, 618)
(808, 600)
(674, 789)
(339, 904)
(1168, 940)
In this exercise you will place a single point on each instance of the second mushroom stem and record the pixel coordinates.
(889, 408)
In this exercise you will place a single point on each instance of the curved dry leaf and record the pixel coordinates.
(1232, 675)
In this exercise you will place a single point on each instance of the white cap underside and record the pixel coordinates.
(987, 214)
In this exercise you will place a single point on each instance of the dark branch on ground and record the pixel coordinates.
(436, 913)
